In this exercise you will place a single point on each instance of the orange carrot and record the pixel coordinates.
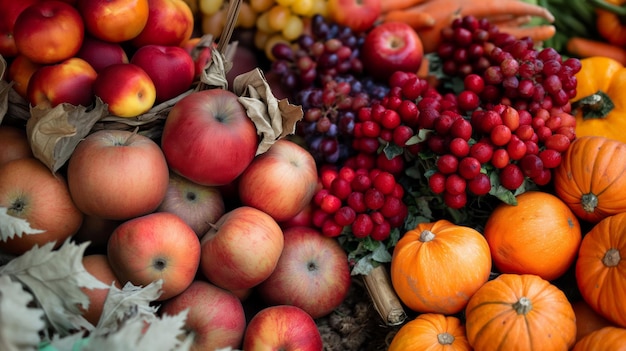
(536, 33)
(444, 11)
(414, 19)
(394, 5)
(509, 20)
(584, 47)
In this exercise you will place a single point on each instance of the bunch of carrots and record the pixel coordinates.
(429, 17)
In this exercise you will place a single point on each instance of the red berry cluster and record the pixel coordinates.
(367, 201)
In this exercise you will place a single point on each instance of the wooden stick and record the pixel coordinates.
(383, 296)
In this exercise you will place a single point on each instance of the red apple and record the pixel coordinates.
(391, 47)
(30, 192)
(10, 10)
(201, 55)
(155, 246)
(99, 267)
(117, 174)
(171, 69)
(216, 316)
(170, 22)
(200, 206)
(281, 181)
(69, 81)
(282, 327)
(100, 53)
(209, 125)
(242, 249)
(49, 31)
(312, 273)
(14, 144)
(20, 72)
(126, 88)
(358, 15)
(114, 20)
(304, 218)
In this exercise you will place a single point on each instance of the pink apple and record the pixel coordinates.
(126, 88)
(69, 81)
(171, 69)
(170, 22)
(242, 249)
(155, 246)
(390, 47)
(10, 10)
(14, 144)
(99, 267)
(281, 181)
(282, 327)
(209, 125)
(200, 206)
(117, 174)
(100, 53)
(216, 316)
(114, 21)
(49, 31)
(358, 15)
(31, 193)
(312, 273)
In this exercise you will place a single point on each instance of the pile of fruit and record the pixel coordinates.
(462, 153)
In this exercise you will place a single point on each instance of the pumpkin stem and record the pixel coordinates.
(426, 236)
(445, 338)
(523, 305)
(595, 106)
(589, 202)
(611, 257)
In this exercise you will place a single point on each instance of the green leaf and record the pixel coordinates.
(392, 150)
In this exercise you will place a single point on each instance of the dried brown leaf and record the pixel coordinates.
(273, 118)
(53, 133)
(5, 87)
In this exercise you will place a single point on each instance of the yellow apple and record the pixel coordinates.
(126, 88)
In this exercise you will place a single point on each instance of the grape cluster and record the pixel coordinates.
(324, 70)
(499, 68)
(368, 201)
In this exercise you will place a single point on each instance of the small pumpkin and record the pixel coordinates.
(539, 235)
(431, 331)
(600, 102)
(591, 178)
(606, 339)
(437, 266)
(520, 312)
(587, 320)
(601, 268)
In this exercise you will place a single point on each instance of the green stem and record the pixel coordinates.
(616, 9)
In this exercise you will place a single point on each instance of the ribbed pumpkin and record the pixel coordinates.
(591, 178)
(437, 267)
(520, 312)
(431, 332)
(601, 268)
(605, 339)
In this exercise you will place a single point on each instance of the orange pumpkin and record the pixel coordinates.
(520, 312)
(605, 339)
(587, 320)
(540, 235)
(601, 268)
(431, 331)
(438, 266)
(591, 178)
